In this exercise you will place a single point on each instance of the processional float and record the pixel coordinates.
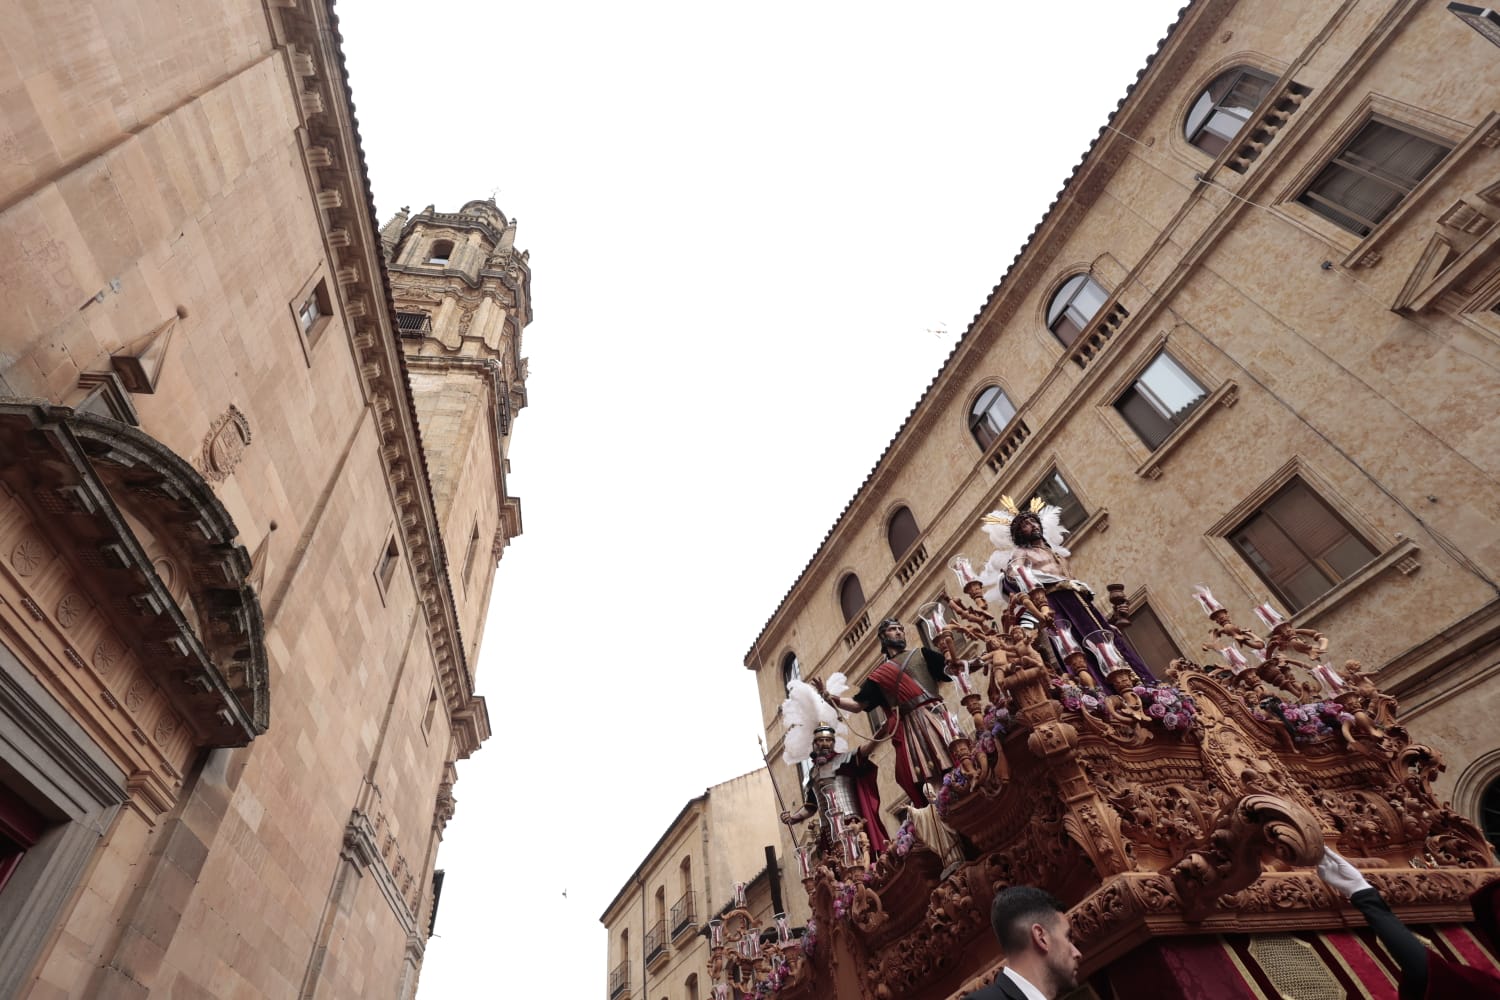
(1178, 818)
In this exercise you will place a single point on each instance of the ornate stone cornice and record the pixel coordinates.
(306, 31)
(363, 849)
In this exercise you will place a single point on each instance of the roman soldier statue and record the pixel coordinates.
(838, 780)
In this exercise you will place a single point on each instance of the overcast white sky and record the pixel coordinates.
(755, 233)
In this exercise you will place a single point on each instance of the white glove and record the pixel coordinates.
(1340, 875)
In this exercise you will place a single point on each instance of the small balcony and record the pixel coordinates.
(656, 943)
(1002, 450)
(911, 564)
(684, 915)
(413, 324)
(619, 981)
(1098, 333)
(857, 630)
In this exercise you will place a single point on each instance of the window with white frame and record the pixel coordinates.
(1159, 400)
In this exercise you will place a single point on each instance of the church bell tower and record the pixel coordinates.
(463, 296)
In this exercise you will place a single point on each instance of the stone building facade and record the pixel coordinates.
(252, 495)
(657, 923)
(1251, 345)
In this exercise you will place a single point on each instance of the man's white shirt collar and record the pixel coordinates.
(1032, 993)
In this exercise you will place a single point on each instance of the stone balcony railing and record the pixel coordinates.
(1259, 134)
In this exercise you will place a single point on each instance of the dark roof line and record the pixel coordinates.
(752, 652)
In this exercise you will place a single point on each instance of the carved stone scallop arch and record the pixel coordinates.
(116, 503)
(1470, 786)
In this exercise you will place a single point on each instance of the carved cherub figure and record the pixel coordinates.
(1364, 701)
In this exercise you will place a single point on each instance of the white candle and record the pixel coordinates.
(1026, 579)
(960, 674)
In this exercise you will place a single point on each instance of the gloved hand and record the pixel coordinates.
(1340, 875)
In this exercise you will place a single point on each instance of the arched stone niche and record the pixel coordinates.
(121, 577)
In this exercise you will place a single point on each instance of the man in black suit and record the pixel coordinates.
(1041, 961)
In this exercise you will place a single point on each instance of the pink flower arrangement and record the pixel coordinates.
(1307, 722)
(996, 724)
(1173, 707)
(810, 938)
(906, 837)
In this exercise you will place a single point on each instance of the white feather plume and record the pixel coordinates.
(803, 711)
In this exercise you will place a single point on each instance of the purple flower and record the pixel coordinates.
(1157, 711)
(1140, 690)
(1345, 717)
(1071, 704)
(1171, 720)
(1089, 701)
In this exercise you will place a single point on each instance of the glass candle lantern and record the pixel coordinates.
(1061, 634)
(1269, 616)
(1234, 660)
(959, 671)
(1102, 645)
(1330, 684)
(964, 570)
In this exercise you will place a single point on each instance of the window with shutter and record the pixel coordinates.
(1299, 546)
(1370, 175)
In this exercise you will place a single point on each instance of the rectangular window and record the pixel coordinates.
(1299, 546)
(431, 714)
(1159, 400)
(1370, 175)
(469, 556)
(1055, 490)
(312, 309)
(309, 313)
(1152, 642)
(385, 569)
